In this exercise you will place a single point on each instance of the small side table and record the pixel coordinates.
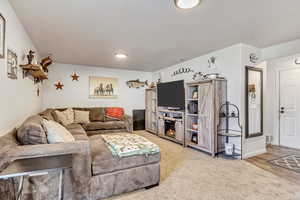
(36, 167)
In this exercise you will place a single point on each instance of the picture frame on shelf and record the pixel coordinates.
(12, 64)
(2, 36)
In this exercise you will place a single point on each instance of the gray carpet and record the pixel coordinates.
(187, 174)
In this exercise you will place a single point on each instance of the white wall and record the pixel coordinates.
(281, 50)
(18, 97)
(228, 62)
(76, 93)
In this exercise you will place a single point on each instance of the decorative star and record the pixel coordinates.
(75, 77)
(59, 86)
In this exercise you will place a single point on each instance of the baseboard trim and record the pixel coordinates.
(254, 153)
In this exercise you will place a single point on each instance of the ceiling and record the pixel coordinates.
(154, 33)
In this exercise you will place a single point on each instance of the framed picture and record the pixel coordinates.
(12, 65)
(2, 36)
(103, 87)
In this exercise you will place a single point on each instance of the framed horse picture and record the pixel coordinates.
(103, 87)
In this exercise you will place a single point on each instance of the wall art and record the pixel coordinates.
(59, 86)
(182, 70)
(136, 83)
(2, 36)
(75, 77)
(103, 87)
(12, 65)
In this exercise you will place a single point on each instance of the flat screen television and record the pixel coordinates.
(171, 95)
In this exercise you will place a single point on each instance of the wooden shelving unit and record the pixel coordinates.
(34, 70)
(151, 110)
(211, 95)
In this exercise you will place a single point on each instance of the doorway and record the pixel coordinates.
(289, 107)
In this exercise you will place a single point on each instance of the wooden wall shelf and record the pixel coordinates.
(35, 71)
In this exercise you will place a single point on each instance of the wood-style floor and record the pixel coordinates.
(276, 152)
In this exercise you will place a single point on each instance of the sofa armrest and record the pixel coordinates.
(128, 122)
(44, 150)
(81, 162)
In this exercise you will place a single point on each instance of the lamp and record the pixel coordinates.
(187, 4)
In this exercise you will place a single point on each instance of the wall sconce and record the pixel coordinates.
(253, 58)
(297, 61)
(212, 62)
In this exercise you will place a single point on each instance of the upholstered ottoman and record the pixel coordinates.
(125, 168)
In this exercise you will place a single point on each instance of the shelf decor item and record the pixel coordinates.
(194, 138)
(2, 36)
(12, 65)
(45, 62)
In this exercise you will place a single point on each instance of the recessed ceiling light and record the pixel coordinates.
(187, 4)
(120, 55)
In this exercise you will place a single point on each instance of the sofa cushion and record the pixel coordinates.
(32, 132)
(47, 114)
(104, 162)
(111, 125)
(64, 117)
(56, 133)
(97, 114)
(81, 116)
(76, 129)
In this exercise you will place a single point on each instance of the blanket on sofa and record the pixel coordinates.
(125, 144)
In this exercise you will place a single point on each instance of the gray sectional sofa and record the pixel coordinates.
(96, 173)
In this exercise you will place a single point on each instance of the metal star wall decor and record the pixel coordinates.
(59, 86)
(75, 77)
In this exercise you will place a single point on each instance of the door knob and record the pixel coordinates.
(282, 108)
(282, 111)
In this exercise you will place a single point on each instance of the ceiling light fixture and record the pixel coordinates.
(187, 4)
(121, 55)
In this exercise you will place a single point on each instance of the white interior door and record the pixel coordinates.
(290, 108)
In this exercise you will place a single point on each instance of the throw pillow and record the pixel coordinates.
(56, 133)
(31, 132)
(65, 117)
(97, 114)
(114, 113)
(81, 117)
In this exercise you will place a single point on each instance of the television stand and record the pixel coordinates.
(171, 125)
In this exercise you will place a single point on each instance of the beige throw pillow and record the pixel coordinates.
(56, 133)
(81, 117)
(65, 117)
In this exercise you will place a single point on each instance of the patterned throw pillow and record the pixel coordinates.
(114, 113)
(56, 133)
(65, 117)
(81, 117)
